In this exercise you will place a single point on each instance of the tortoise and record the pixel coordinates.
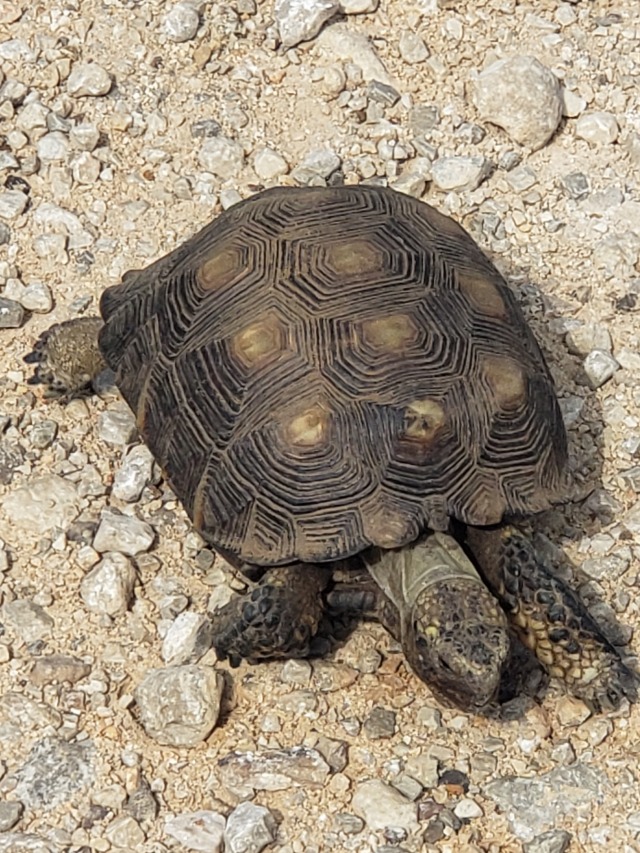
(340, 374)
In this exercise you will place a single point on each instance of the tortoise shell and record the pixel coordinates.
(323, 369)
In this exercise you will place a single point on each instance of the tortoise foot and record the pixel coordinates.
(552, 621)
(276, 620)
(67, 358)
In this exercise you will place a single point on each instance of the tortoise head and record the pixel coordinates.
(458, 643)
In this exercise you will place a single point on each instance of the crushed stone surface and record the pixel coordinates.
(126, 126)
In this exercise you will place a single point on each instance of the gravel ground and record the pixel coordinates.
(126, 126)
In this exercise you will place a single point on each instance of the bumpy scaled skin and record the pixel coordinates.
(67, 358)
(276, 620)
(551, 620)
(429, 596)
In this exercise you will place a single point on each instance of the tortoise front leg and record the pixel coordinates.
(277, 619)
(551, 619)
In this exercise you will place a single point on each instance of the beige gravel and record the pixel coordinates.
(150, 195)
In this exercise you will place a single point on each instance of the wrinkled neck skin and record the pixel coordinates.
(406, 572)
(452, 630)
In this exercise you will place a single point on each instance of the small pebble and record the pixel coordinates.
(554, 841)
(37, 297)
(382, 806)
(188, 639)
(117, 426)
(301, 20)
(380, 723)
(11, 314)
(89, 79)
(122, 533)
(222, 156)
(467, 809)
(597, 128)
(108, 587)
(250, 828)
(459, 173)
(268, 164)
(181, 22)
(599, 366)
(179, 705)
(12, 203)
(412, 48)
(523, 97)
(202, 831)
(10, 814)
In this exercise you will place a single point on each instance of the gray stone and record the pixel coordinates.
(554, 841)
(358, 7)
(383, 93)
(181, 22)
(12, 456)
(188, 639)
(343, 44)
(576, 185)
(85, 135)
(350, 824)
(179, 705)
(122, 533)
(423, 768)
(26, 842)
(423, 118)
(521, 178)
(459, 173)
(12, 203)
(124, 833)
(273, 770)
(381, 806)
(412, 47)
(521, 96)
(301, 20)
(32, 116)
(572, 104)
(335, 752)
(134, 474)
(599, 366)
(319, 163)
(30, 621)
(205, 128)
(202, 830)
(11, 314)
(586, 337)
(380, 723)
(52, 147)
(407, 786)
(117, 426)
(42, 504)
(467, 809)
(37, 297)
(250, 828)
(296, 672)
(597, 128)
(88, 79)
(57, 669)
(222, 156)
(108, 587)
(268, 164)
(53, 773)
(10, 814)
(533, 805)
(43, 434)
(85, 168)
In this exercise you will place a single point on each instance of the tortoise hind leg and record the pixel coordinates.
(277, 619)
(67, 358)
(551, 619)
